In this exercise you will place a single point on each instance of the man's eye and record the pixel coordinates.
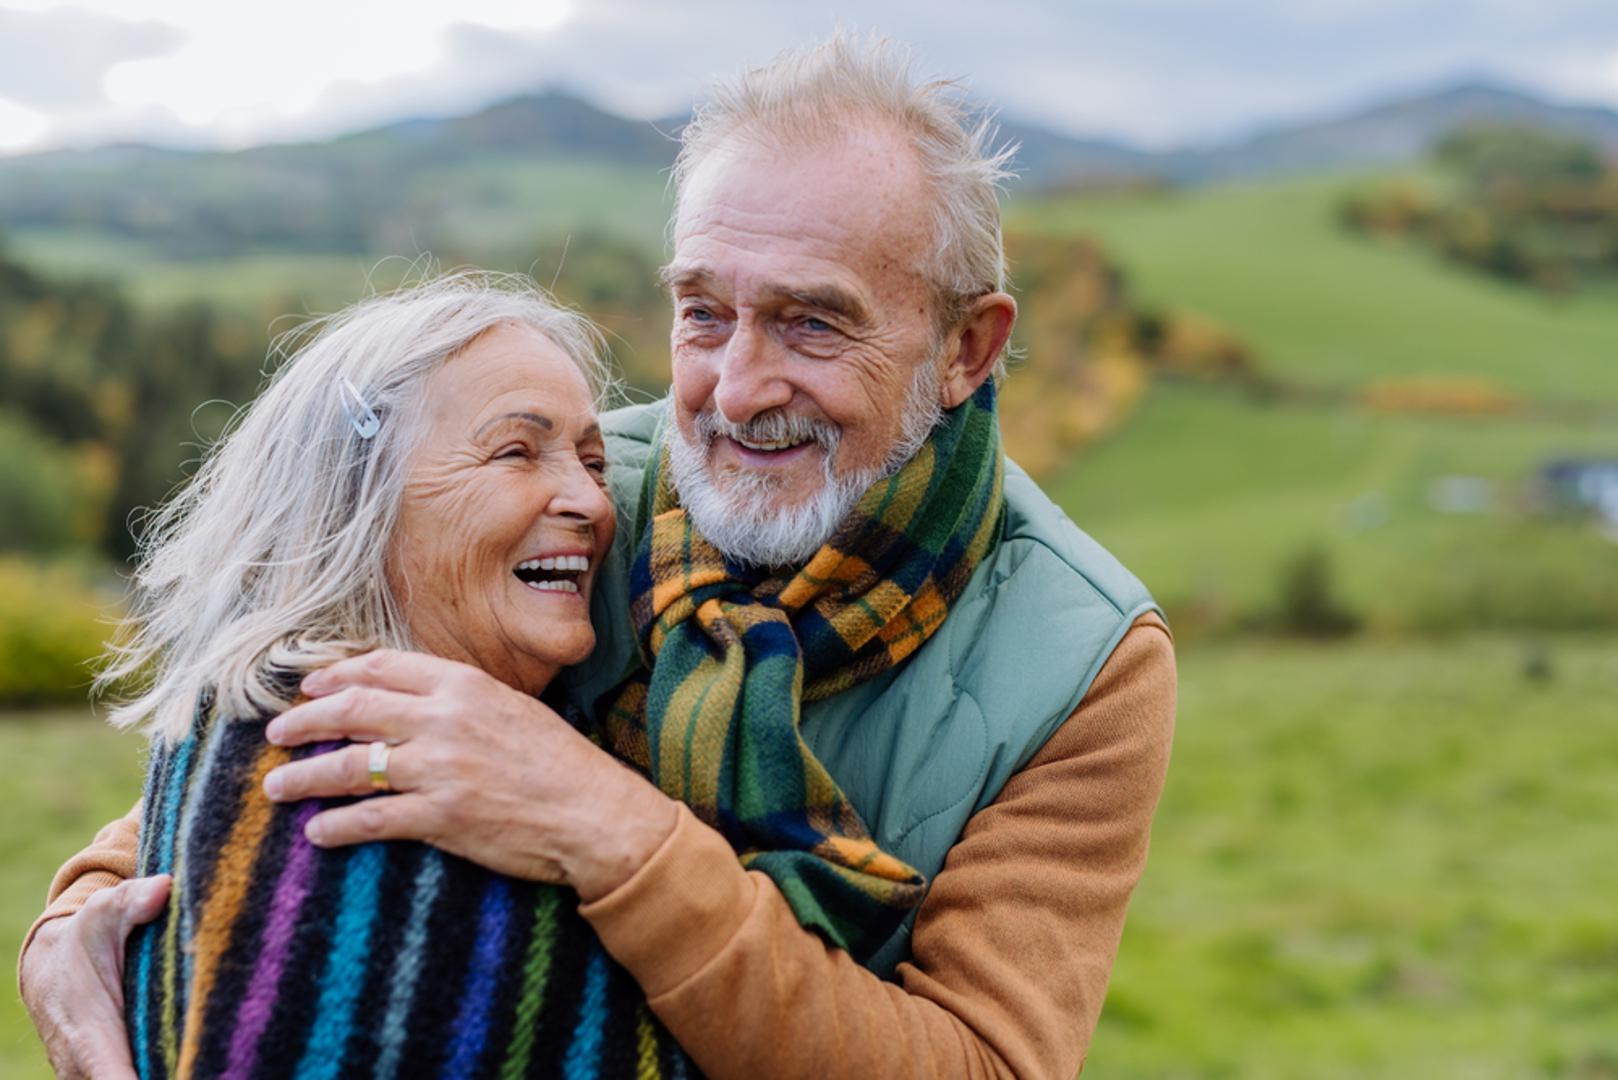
(699, 315)
(816, 326)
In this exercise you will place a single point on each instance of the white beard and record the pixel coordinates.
(743, 521)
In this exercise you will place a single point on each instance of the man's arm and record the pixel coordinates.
(109, 859)
(1012, 948)
(70, 971)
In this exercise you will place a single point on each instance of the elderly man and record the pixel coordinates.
(985, 696)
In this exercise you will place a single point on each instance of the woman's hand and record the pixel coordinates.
(476, 769)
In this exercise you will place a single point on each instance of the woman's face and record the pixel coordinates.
(506, 516)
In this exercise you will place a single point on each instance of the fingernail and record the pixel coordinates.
(272, 783)
(273, 732)
(314, 681)
(315, 832)
(146, 891)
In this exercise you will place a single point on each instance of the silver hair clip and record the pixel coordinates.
(365, 420)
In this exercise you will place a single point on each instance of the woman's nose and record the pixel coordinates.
(582, 497)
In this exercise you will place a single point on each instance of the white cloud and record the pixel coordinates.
(20, 126)
(56, 59)
(1161, 71)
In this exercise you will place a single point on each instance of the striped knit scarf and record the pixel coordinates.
(386, 961)
(732, 656)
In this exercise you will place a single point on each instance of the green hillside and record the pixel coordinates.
(1327, 307)
(1210, 493)
(498, 213)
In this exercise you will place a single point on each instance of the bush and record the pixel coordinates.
(1308, 602)
(52, 624)
(48, 496)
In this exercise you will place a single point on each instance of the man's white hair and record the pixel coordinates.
(809, 95)
(272, 559)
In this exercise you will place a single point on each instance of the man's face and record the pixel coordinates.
(801, 327)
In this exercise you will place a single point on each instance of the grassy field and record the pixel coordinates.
(1209, 496)
(1372, 860)
(1378, 860)
(1321, 305)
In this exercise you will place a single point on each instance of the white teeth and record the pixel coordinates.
(779, 444)
(580, 563)
(553, 586)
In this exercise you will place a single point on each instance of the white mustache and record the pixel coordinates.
(777, 425)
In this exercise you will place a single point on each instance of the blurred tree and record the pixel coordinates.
(1524, 204)
(99, 403)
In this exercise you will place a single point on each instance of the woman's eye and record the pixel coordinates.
(699, 315)
(515, 450)
(597, 466)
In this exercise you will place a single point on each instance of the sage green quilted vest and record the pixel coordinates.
(923, 747)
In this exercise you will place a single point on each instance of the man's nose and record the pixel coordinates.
(751, 374)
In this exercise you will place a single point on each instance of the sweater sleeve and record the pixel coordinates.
(108, 860)
(1012, 948)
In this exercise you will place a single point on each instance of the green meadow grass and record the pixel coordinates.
(1208, 496)
(1324, 306)
(1378, 859)
(67, 775)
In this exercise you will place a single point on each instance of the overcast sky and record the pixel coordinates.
(237, 72)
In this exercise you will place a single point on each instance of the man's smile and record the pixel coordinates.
(765, 455)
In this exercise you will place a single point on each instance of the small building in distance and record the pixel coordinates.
(1588, 485)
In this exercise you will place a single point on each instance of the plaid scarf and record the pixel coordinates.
(732, 654)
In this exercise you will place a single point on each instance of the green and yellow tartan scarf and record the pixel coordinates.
(732, 654)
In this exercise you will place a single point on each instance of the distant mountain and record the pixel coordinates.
(1390, 133)
(1047, 159)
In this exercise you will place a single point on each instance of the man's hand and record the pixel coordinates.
(477, 769)
(72, 980)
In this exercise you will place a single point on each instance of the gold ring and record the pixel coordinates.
(378, 766)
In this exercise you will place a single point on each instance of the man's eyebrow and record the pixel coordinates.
(528, 417)
(829, 298)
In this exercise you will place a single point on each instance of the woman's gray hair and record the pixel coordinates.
(811, 94)
(272, 559)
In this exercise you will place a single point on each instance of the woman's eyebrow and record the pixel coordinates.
(543, 422)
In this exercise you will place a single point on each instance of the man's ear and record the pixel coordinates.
(978, 342)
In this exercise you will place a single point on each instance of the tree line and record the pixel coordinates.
(1520, 203)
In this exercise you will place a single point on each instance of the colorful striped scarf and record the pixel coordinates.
(733, 654)
(386, 960)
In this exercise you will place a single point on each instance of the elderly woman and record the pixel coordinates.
(425, 473)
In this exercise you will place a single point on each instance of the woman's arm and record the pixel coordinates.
(1012, 948)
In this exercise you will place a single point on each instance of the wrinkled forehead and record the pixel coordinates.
(854, 205)
(866, 178)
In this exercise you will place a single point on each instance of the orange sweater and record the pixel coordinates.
(1012, 947)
